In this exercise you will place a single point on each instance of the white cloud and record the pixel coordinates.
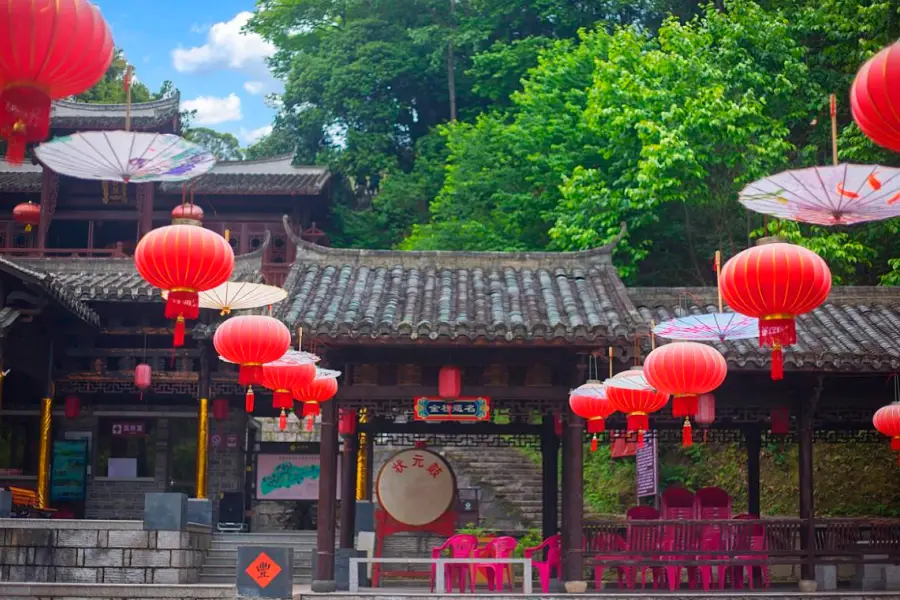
(252, 136)
(212, 110)
(227, 47)
(254, 87)
(197, 28)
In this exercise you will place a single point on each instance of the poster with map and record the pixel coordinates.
(288, 477)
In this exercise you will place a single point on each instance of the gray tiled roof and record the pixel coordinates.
(267, 176)
(53, 287)
(20, 178)
(117, 280)
(66, 114)
(341, 293)
(857, 328)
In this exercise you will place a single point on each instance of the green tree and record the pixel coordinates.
(223, 145)
(111, 89)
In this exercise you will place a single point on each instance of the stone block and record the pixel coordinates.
(31, 537)
(365, 516)
(30, 573)
(165, 512)
(200, 511)
(265, 572)
(166, 575)
(826, 578)
(342, 558)
(5, 504)
(892, 578)
(76, 538)
(150, 558)
(41, 556)
(183, 559)
(103, 557)
(125, 575)
(77, 575)
(128, 539)
(65, 557)
(13, 556)
(173, 540)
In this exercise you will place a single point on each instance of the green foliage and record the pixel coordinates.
(223, 145)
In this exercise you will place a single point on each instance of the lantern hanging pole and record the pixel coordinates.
(128, 75)
(652, 335)
(611, 351)
(832, 101)
(718, 275)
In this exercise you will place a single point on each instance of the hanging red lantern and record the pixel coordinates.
(183, 260)
(28, 214)
(41, 63)
(590, 402)
(142, 376)
(706, 410)
(250, 342)
(72, 407)
(557, 424)
(775, 282)
(629, 393)
(346, 421)
(450, 382)
(321, 389)
(781, 421)
(875, 98)
(887, 422)
(220, 409)
(283, 376)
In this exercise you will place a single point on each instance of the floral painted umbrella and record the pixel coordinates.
(836, 195)
(239, 295)
(125, 156)
(710, 327)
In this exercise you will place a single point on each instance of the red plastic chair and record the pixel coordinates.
(489, 569)
(678, 505)
(616, 546)
(545, 568)
(643, 539)
(460, 546)
(713, 504)
(504, 547)
(750, 537)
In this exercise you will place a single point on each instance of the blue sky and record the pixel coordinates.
(198, 45)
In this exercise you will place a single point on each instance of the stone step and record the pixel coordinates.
(231, 561)
(224, 571)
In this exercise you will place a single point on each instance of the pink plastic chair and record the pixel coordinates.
(460, 546)
(713, 504)
(643, 539)
(489, 569)
(615, 545)
(503, 547)
(678, 505)
(750, 537)
(545, 568)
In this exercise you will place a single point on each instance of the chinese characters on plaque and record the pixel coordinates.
(128, 430)
(456, 409)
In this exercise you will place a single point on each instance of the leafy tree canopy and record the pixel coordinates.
(223, 145)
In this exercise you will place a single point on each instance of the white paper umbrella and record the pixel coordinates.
(837, 195)
(126, 156)
(709, 327)
(236, 295)
(290, 356)
(326, 373)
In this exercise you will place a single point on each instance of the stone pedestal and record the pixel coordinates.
(871, 576)
(342, 558)
(265, 572)
(165, 512)
(826, 577)
(5, 504)
(892, 578)
(365, 516)
(200, 511)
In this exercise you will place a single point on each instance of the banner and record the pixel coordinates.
(289, 477)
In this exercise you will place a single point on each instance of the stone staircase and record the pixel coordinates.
(510, 484)
(220, 565)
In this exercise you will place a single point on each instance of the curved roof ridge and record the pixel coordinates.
(135, 106)
(268, 159)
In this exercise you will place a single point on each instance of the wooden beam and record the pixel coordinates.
(391, 392)
(449, 428)
(136, 352)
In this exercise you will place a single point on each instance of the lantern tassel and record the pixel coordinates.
(687, 434)
(282, 420)
(178, 338)
(310, 411)
(249, 400)
(777, 363)
(594, 443)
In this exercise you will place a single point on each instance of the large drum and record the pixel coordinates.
(416, 487)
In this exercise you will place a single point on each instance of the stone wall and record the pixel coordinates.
(62, 591)
(38, 550)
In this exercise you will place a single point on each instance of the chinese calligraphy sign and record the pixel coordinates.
(416, 486)
(457, 409)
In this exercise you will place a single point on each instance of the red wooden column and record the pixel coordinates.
(323, 579)
(49, 195)
(573, 494)
(145, 194)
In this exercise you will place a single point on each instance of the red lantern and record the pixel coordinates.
(321, 389)
(887, 422)
(73, 407)
(51, 50)
(629, 393)
(775, 282)
(184, 260)
(187, 214)
(450, 382)
(281, 377)
(27, 213)
(685, 370)
(346, 421)
(706, 413)
(590, 402)
(251, 342)
(875, 98)
(142, 376)
(220, 409)
(781, 421)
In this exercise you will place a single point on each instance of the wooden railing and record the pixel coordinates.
(729, 542)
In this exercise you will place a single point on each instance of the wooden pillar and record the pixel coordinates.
(203, 422)
(806, 426)
(550, 477)
(45, 438)
(363, 486)
(753, 438)
(572, 497)
(145, 193)
(348, 490)
(323, 581)
(49, 194)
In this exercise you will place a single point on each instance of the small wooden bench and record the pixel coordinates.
(25, 504)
